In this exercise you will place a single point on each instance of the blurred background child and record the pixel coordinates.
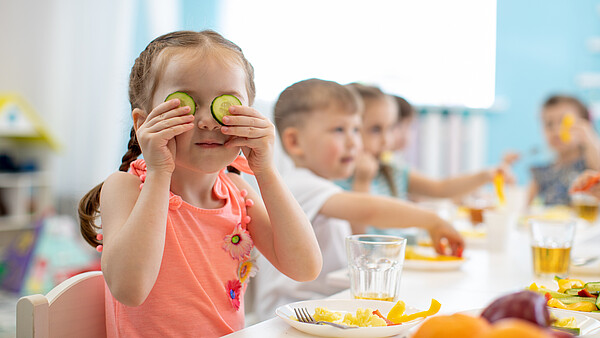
(570, 135)
(318, 123)
(384, 130)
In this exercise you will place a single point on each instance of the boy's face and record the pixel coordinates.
(329, 142)
(379, 121)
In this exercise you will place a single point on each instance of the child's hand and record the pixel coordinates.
(366, 168)
(582, 132)
(587, 182)
(254, 133)
(444, 232)
(156, 135)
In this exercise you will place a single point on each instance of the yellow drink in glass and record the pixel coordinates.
(551, 261)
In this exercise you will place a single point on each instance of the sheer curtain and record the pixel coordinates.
(71, 59)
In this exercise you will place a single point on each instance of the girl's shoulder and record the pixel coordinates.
(121, 181)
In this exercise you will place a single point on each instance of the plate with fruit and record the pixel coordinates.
(572, 295)
(520, 314)
(367, 318)
(425, 258)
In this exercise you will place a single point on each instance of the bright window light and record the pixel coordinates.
(432, 52)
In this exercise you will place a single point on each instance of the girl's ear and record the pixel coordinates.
(291, 141)
(139, 116)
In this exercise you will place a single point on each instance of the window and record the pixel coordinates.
(433, 52)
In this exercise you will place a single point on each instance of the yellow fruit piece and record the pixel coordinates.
(386, 157)
(411, 253)
(433, 309)
(565, 284)
(322, 313)
(363, 318)
(396, 311)
(499, 184)
(570, 322)
(565, 127)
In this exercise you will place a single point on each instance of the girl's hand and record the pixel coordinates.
(254, 133)
(156, 135)
(367, 167)
(583, 133)
(443, 233)
(587, 183)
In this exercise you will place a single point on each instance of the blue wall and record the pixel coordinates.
(540, 49)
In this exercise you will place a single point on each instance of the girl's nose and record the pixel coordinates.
(205, 121)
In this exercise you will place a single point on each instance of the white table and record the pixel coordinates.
(482, 278)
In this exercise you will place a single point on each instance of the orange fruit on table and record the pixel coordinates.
(512, 327)
(453, 326)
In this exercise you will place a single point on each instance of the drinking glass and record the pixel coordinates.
(551, 242)
(375, 264)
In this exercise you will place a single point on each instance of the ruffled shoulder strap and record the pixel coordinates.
(241, 164)
(138, 167)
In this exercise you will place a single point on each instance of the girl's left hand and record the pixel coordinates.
(583, 132)
(254, 133)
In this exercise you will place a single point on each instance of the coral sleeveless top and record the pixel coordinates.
(204, 270)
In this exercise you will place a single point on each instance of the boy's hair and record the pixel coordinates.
(582, 110)
(145, 74)
(405, 109)
(303, 98)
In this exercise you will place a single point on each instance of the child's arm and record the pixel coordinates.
(134, 221)
(279, 227)
(422, 185)
(589, 142)
(387, 212)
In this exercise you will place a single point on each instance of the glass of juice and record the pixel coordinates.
(375, 265)
(585, 206)
(551, 242)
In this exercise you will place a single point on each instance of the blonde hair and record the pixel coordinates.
(302, 98)
(144, 77)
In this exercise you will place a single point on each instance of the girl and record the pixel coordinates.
(570, 134)
(374, 171)
(177, 230)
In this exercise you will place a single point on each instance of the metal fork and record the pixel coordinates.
(304, 316)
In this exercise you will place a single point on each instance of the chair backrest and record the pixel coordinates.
(74, 308)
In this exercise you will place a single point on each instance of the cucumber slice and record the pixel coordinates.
(572, 330)
(185, 100)
(220, 106)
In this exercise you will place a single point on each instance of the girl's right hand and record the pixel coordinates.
(156, 135)
(587, 182)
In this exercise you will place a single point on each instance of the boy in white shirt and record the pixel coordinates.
(319, 125)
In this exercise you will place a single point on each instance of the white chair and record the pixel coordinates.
(74, 308)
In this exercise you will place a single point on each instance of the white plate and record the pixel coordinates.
(286, 313)
(586, 321)
(424, 265)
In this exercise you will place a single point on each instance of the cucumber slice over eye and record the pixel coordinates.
(185, 100)
(220, 106)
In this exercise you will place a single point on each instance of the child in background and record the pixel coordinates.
(318, 123)
(178, 229)
(569, 133)
(376, 174)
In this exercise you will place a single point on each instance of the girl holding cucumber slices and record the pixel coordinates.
(177, 228)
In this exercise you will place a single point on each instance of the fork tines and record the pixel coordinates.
(303, 315)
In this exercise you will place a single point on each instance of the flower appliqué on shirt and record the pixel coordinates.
(247, 269)
(234, 288)
(238, 243)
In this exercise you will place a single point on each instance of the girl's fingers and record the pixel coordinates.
(181, 111)
(253, 143)
(242, 120)
(163, 107)
(245, 111)
(170, 122)
(250, 132)
(169, 133)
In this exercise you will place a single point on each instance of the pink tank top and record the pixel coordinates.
(203, 274)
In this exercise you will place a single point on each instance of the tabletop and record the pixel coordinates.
(484, 276)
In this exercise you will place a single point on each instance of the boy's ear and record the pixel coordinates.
(290, 139)
(139, 116)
